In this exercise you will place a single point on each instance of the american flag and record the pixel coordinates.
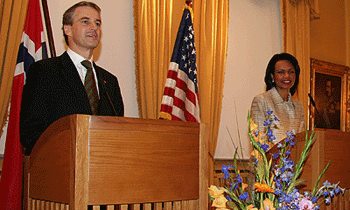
(180, 99)
(31, 49)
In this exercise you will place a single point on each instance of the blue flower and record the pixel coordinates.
(264, 147)
(325, 193)
(239, 179)
(337, 190)
(243, 196)
(226, 170)
(267, 123)
(269, 133)
(327, 200)
(326, 183)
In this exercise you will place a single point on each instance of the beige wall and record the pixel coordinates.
(329, 33)
(254, 37)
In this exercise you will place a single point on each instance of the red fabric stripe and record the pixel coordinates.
(191, 96)
(172, 74)
(176, 118)
(169, 91)
(181, 84)
(190, 117)
(33, 25)
(166, 108)
(11, 177)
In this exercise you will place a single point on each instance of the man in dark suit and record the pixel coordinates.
(55, 87)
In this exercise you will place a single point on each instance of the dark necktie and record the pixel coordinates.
(90, 86)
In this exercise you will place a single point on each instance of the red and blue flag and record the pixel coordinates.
(32, 48)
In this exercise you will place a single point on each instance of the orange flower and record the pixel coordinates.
(251, 207)
(255, 153)
(263, 187)
(244, 185)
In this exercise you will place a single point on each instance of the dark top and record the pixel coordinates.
(54, 90)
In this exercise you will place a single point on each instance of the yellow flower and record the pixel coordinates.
(244, 185)
(253, 126)
(251, 207)
(215, 192)
(267, 204)
(220, 202)
(263, 187)
(255, 153)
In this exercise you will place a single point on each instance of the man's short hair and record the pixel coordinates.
(68, 15)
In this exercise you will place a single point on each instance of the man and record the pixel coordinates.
(57, 87)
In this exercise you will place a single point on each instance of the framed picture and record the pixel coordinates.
(329, 96)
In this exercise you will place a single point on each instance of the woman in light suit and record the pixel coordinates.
(281, 79)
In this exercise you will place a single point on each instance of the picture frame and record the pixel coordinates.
(329, 100)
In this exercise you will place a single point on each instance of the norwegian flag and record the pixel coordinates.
(31, 49)
(180, 98)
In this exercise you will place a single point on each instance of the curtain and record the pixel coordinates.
(211, 25)
(156, 25)
(12, 18)
(296, 16)
(155, 33)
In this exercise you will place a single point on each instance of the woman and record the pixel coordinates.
(281, 79)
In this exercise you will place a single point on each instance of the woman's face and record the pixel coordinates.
(284, 75)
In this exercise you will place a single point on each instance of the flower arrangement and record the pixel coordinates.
(276, 177)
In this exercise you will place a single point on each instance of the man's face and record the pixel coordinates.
(85, 32)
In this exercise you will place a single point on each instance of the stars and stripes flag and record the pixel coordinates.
(31, 49)
(180, 99)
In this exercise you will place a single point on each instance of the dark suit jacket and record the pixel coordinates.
(54, 89)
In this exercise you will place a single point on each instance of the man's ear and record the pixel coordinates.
(67, 29)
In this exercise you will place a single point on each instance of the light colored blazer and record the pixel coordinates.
(290, 113)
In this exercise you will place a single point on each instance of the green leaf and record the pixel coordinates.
(260, 170)
(319, 179)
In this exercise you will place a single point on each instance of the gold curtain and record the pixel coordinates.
(296, 16)
(156, 25)
(211, 25)
(155, 34)
(12, 18)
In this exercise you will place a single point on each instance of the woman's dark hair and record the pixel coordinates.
(270, 70)
(68, 15)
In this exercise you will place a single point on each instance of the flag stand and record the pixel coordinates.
(189, 2)
(48, 28)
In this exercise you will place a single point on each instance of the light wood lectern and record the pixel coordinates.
(119, 162)
(329, 145)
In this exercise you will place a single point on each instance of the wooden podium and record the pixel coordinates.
(119, 162)
(329, 145)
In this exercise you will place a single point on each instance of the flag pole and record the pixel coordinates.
(48, 28)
